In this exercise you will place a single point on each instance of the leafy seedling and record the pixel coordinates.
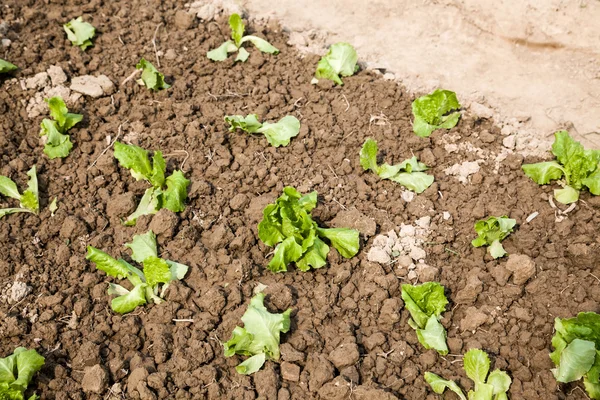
(491, 232)
(576, 354)
(259, 338)
(340, 60)
(29, 200)
(151, 78)
(578, 167)
(287, 224)
(426, 303)
(277, 134)
(17, 371)
(476, 364)
(146, 284)
(80, 33)
(157, 197)
(434, 111)
(231, 46)
(58, 143)
(408, 173)
(5, 66)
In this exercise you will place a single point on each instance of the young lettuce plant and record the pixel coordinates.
(408, 173)
(491, 232)
(5, 66)
(576, 354)
(17, 371)
(157, 197)
(578, 167)
(434, 111)
(476, 364)
(277, 134)
(151, 78)
(146, 284)
(259, 338)
(287, 224)
(231, 46)
(58, 143)
(29, 200)
(426, 303)
(80, 33)
(340, 60)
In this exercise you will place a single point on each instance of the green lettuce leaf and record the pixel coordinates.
(491, 232)
(408, 173)
(151, 78)
(156, 271)
(159, 167)
(476, 364)
(176, 192)
(8, 211)
(286, 252)
(260, 44)
(129, 301)
(57, 145)
(248, 123)
(59, 111)
(592, 182)
(116, 268)
(222, 52)
(426, 303)
(544, 172)
(135, 159)
(575, 360)
(150, 203)
(260, 335)
(30, 198)
(345, 240)
(237, 28)
(315, 256)
(280, 133)
(433, 111)
(9, 188)
(500, 381)
(252, 364)
(439, 385)
(566, 195)
(80, 33)
(17, 371)
(178, 270)
(53, 207)
(5, 66)
(340, 60)
(143, 246)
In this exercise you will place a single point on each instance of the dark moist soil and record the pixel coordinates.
(349, 336)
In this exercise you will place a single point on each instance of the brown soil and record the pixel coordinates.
(349, 335)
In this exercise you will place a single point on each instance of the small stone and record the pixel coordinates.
(165, 223)
(404, 261)
(72, 228)
(388, 76)
(95, 379)
(522, 267)
(170, 54)
(506, 130)
(183, 20)
(481, 111)
(427, 273)
(473, 319)
(239, 201)
(297, 39)
(354, 219)
(412, 275)
(92, 86)
(378, 255)
(6, 42)
(345, 355)
(138, 375)
(57, 75)
(509, 142)
(290, 371)
(408, 196)
(417, 253)
(121, 205)
(37, 81)
(469, 293)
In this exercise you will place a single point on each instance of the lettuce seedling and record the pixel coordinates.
(151, 78)
(576, 354)
(5, 66)
(287, 224)
(277, 134)
(157, 197)
(340, 60)
(29, 200)
(476, 364)
(491, 232)
(17, 371)
(408, 173)
(578, 167)
(231, 46)
(426, 303)
(58, 142)
(80, 33)
(146, 284)
(433, 111)
(259, 338)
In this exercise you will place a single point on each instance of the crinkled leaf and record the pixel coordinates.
(575, 360)
(80, 33)
(222, 52)
(593, 182)
(178, 270)
(149, 204)
(151, 78)
(341, 60)
(308, 201)
(423, 301)
(156, 271)
(431, 112)
(242, 55)
(286, 252)
(586, 326)
(29, 362)
(248, 123)
(5, 66)
(116, 268)
(439, 385)
(260, 335)
(578, 163)
(59, 111)
(418, 182)
(237, 28)
(9, 188)
(566, 195)
(157, 176)
(135, 159)
(118, 290)
(315, 256)
(477, 365)
(368, 156)
(483, 392)
(499, 380)
(592, 389)
(270, 228)
(280, 133)
(252, 364)
(176, 192)
(128, 302)
(491, 231)
(57, 145)
(543, 172)
(30, 198)
(497, 250)
(433, 336)
(143, 246)
(260, 44)
(345, 240)
(8, 368)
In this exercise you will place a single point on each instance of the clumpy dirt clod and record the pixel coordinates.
(349, 335)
